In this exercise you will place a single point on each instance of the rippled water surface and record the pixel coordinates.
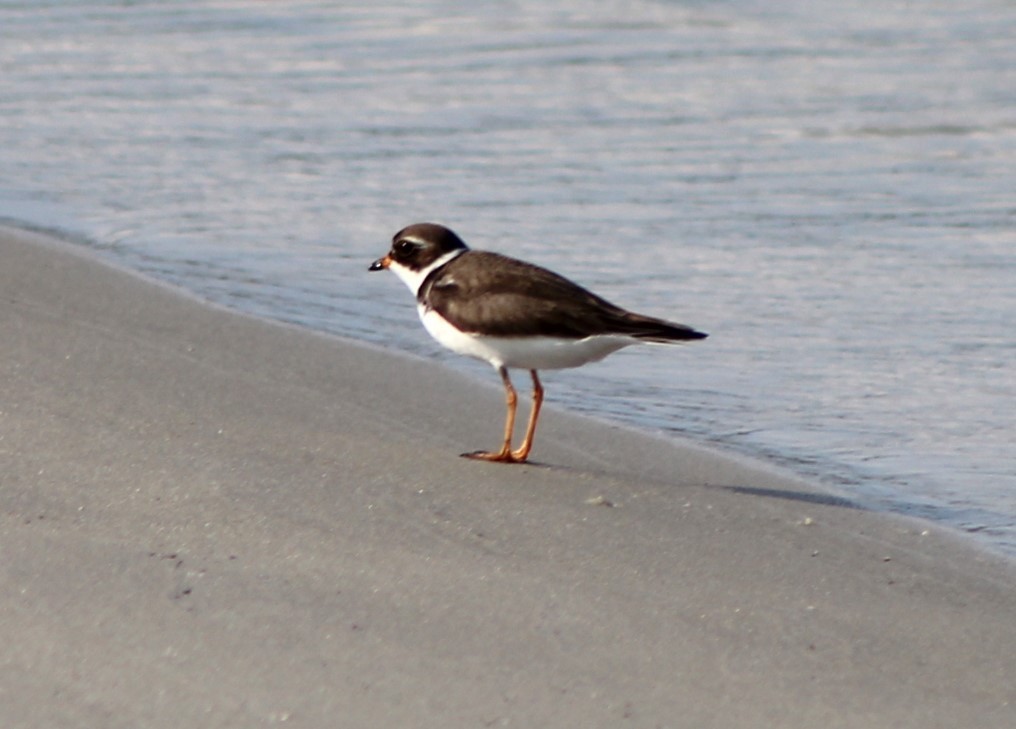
(827, 190)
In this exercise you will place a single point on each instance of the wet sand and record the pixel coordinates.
(211, 520)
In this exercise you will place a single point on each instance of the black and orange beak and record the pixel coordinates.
(381, 263)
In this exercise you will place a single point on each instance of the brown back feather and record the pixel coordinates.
(512, 298)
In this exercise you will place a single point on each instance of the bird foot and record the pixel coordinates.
(499, 457)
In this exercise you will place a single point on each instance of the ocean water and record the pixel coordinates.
(828, 188)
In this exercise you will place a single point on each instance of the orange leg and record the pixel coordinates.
(511, 402)
(520, 455)
(506, 454)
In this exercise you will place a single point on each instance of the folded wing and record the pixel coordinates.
(485, 292)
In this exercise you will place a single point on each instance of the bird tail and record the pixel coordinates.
(650, 329)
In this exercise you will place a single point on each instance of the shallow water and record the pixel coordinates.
(827, 190)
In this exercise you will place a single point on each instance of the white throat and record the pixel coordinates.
(414, 279)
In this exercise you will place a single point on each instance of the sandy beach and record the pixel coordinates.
(215, 521)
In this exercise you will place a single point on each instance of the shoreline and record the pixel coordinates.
(860, 488)
(214, 519)
(811, 476)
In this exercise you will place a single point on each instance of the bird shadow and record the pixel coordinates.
(806, 497)
(471, 456)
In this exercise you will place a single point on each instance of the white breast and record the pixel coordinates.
(531, 353)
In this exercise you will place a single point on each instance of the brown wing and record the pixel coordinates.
(507, 297)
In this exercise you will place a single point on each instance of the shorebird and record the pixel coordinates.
(512, 314)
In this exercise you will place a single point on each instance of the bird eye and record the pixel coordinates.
(403, 248)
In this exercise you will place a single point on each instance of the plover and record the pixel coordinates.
(513, 314)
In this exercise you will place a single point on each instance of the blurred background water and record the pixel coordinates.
(828, 188)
